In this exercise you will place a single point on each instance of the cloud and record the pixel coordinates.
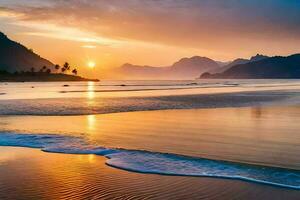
(208, 24)
(89, 46)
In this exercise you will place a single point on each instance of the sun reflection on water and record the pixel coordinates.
(91, 158)
(87, 158)
(91, 90)
(91, 122)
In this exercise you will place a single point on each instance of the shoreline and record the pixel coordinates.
(112, 143)
(239, 179)
(41, 77)
(212, 126)
(91, 178)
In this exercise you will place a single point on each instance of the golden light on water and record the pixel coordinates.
(91, 90)
(91, 120)
(91, 158)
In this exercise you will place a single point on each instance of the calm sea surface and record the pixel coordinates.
(176, 142)
(92, 90)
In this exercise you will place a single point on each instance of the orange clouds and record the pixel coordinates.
(157, 32)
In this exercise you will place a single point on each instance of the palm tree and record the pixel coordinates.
(48, 71)
(57, 67)
(74, 71)
(44, 68)
(67, 66)
(63, 69)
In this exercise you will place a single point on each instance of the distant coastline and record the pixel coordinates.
(40, 77)
(277, 67)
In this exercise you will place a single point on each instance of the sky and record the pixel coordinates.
(151, 32)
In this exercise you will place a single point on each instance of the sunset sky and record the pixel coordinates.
(151, 32)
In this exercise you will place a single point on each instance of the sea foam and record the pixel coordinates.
(154, 162)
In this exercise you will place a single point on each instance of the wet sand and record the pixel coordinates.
(33, 174)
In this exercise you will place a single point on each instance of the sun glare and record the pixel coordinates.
(91, 64)
(91, 90)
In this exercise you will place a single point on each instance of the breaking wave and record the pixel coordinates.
(154, 162)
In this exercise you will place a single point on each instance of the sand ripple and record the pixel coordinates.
(37, 175)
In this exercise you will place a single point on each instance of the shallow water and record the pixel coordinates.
(81, 98)
(265, 136)
(91, 90)
(159, 141)
(33, 174)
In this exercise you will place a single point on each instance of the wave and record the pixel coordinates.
(151, 83)
(99, 105)
(144, 89)
(146, 85)
(154, 162)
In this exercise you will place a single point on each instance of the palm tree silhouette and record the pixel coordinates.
(57, 67)
(67, 66)
(74, 71)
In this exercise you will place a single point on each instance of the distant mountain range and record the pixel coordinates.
(238, 62)
(185, 68)
(16, 57)
(270, 67)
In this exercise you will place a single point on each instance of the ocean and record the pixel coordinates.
(235, 129)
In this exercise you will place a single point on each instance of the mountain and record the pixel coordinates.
(185, 68)
(223, 63)
(16, 57)
(271, 67)
(229, 65)
(258, 57)
(188, 67)
(238, 62)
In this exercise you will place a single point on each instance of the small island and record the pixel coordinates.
(44, 74)
(21, 64)
(40, 77)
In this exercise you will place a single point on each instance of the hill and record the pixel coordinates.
(267, 68)
(16, 57)
(238, 61)
(20, 64)
(185, 68)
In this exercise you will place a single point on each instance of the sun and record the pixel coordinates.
(91, 64)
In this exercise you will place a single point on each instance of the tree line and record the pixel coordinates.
(62, 69)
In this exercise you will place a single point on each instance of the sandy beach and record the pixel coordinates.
(149, 99)
(32, 174)
(93, 146)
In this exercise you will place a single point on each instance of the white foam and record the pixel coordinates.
(156, 163)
